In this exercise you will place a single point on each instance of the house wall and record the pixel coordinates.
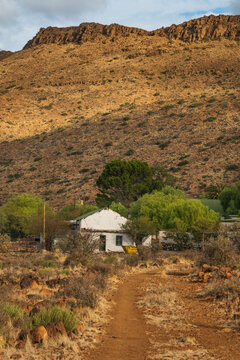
(111, 241)
(105, 219)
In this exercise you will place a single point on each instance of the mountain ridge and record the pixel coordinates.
(205, 28)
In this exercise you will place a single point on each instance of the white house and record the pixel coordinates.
(106, 224)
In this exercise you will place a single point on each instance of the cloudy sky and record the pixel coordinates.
(20, 20)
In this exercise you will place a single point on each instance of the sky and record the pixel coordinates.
(20, 20)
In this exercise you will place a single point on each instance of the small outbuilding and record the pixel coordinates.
(106, 225)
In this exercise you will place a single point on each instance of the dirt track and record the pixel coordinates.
(193, 331)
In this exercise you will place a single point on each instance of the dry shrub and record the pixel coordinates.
(159, 296)
(144, 252)
(219, 289)
(219, 251)
(86, 290)
(101, 267)
(131, 259)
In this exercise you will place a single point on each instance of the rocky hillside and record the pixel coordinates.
(79, 97)
(206, 28)
(4, 54)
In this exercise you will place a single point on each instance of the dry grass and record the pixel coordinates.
(222, 289)
(159, 296)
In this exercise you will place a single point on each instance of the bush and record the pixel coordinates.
(101, 267)
(78, 244)
(110, 259)
(53, 314)
(219, 289)
(14, 311)
(219, 251)
(49, 264)
(4, 239)
(85, 290)
(46, 273)
(131, 259)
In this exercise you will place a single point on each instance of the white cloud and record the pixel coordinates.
(235, 6)
(63, 8)
(9, 11)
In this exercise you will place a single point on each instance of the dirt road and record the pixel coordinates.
(125, 337)
(189, 330)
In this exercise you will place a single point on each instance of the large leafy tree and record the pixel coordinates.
(124, 181)
(18, 211)
(169, 209)
(230, 199)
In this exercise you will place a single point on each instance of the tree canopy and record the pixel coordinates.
(68, 212)
(16, 214)
(230, 199)
(139, 228)
(170, 209)
(126, 181)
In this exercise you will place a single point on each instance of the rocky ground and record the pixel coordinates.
(160, 309)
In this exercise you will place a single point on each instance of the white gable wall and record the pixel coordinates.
(105, 219)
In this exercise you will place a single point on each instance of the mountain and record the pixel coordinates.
(75, 98)
(4, 54)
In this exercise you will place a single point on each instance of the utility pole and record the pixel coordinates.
(74, 208)
(44, 225)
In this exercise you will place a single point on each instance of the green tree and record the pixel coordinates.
(214, 191)
(139, 228)
(119, 208)
(124, 181)
(230, 199)
(18, 212)
(170, 210)
(67, 212)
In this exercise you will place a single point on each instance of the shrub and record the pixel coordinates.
(49, 264)
(129, 152)
(219, 251)
(4, 239)
(219, 289)
(12, 310)
(110, 259)
(131, 259)
(46, 273)
(53, 314)
(103, 268)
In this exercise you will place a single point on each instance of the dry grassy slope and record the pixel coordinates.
(66, 110)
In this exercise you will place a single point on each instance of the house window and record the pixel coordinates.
(119, 239)
(102, 243)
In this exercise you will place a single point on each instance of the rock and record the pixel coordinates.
(228, 275)
(27, 281)
(207, 277)
(207, 268)
(22, 336)
(46, 292)
(224, 269)
(39, 334)
(21, 345)
(33, 285)
(56, 329)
